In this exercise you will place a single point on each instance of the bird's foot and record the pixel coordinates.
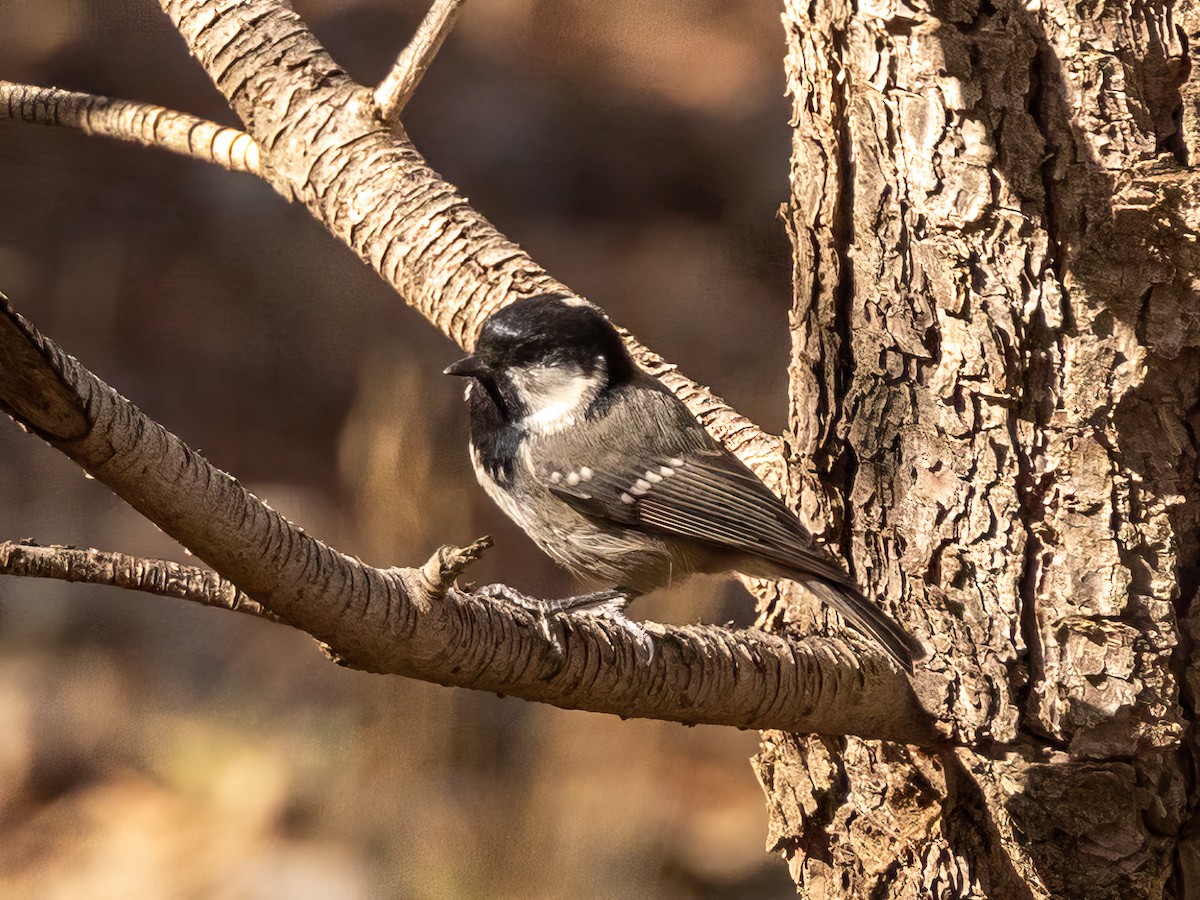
(600, 603)
(608, 604)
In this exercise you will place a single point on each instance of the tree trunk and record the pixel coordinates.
(996, 365)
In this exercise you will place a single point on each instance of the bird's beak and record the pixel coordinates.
(469, 366)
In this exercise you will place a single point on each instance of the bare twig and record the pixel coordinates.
(136, 573)
(443, 568)
(127, 120)
(394, 92)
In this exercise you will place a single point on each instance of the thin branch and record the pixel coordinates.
(409, 622)
(394, 92)
(127, 120)
(137, 573)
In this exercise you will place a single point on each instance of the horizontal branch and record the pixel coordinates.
(394, 92)
(127, 120)
(411, 621)
(136, 573)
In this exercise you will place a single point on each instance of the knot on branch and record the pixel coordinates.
(448, 562)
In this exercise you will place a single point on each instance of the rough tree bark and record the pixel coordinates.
(995, 364)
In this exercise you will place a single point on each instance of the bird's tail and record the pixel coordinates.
(869, 619)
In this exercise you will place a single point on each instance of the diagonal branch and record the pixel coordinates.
(127, 120)
(394, 92)
(325, 146)
(369, 186)
(409, 621)
(136, 573)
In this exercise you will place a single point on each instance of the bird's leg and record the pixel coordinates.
(608, 604)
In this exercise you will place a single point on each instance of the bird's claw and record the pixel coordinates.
(608, 604)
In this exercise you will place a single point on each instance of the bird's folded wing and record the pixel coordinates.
(706, 495)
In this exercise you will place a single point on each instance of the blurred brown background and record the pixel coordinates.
(149, 749)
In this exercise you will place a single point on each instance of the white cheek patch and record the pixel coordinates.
(555, 395)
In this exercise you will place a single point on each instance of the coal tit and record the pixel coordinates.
(607, 471)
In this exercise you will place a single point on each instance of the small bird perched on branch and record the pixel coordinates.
(607, 471)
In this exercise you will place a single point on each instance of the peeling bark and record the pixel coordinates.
(996, 360)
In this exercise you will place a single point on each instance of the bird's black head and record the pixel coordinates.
(552, 331)
(543, 362)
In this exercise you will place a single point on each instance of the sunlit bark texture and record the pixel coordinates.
(995, 362)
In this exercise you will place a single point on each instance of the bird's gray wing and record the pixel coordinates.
(706, 495)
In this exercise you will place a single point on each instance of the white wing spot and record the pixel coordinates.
(638, 491)
(556, 477)
(653, 477)
(667, 471)
(676, 462)
(585, 473)
(573, 479)
(643, 484)
(625, 498)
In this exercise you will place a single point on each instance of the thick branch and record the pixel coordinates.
(136, 573)
(125, 120)
(407, 622)
(394, 92)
